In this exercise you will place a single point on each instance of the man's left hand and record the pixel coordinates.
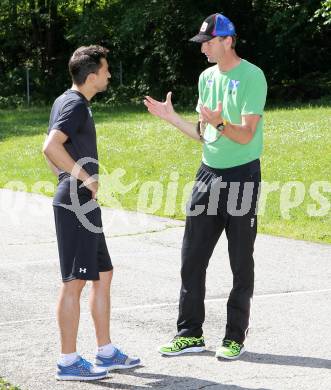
(212, 117)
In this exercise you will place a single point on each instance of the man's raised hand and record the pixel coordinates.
(163, 110)
(212, 117)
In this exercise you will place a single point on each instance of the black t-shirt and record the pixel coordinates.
(72, 115)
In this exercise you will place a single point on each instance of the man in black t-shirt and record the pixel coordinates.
(71, 152)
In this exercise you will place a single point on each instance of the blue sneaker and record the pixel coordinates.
(117, 361)
(81, 370)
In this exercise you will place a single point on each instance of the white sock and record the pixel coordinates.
(67, 359)
(106, 350)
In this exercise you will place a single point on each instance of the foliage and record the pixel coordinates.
(324, 12)
(4, 385)
(149, 40)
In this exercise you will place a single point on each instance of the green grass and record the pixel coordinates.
(4, 385)
(297, 147)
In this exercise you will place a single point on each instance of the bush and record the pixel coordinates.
(13, 101)
(311, 86)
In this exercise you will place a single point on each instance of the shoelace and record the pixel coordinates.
(120, 356)
(182, 341)
(84, 364)
(232, 344)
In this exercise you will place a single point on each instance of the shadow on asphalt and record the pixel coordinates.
(167, 382)
(286, 360)
(266, 358)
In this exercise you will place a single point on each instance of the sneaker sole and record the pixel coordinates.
(119, 367)
(186, 350)
(79, 378)
(243, 350)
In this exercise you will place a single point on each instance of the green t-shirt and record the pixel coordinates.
(242, 91)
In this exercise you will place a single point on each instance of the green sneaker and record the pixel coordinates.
(181, 345)
(230, 350)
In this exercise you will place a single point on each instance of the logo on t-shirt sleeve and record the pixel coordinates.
(210, 83)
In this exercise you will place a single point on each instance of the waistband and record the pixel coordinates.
(252, 167)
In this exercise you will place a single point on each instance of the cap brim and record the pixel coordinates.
(200, 38)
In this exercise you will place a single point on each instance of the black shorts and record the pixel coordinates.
(83, 254)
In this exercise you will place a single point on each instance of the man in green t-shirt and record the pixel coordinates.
(232, 96)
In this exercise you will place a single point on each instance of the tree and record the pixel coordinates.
(286, 38)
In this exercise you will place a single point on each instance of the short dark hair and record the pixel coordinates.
(86, 60)
(234, 40)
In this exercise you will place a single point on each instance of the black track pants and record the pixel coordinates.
(221, 199)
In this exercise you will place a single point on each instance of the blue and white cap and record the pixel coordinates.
(216, 25)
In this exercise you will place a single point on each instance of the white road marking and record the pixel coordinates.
(162, 305)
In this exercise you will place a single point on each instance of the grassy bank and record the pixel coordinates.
(4, 385)
(140, 154)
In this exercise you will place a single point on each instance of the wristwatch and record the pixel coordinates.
(220, 126)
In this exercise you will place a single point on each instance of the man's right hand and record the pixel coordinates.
(93, 185)
(163, 110)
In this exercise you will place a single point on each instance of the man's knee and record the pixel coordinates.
(107, 276)
(105, 279)
(74, 287)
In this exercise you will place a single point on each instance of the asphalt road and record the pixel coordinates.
(289, 342)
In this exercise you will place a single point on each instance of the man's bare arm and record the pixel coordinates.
(53, 168)
(244, 133)
(241, 134)
(56, 153)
